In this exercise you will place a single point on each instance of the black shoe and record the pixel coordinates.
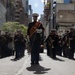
(32, 63)
(71, 58)
(37, 63)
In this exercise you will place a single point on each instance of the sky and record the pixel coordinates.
(37, 6)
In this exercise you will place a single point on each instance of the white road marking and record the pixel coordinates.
(23, 67)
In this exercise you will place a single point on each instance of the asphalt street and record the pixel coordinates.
(47, 66)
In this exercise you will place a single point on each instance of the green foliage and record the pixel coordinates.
(12, 27)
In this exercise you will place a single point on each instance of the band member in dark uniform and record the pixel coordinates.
(71, 43)
(3, 46)
(59, 52)
(8, 39)
(48, 45)
(66, 44)
(54, 43)
(34, 35)
(19, 43)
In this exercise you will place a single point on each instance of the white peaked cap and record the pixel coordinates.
(35, 14)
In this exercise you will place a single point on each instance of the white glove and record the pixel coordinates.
(38, 30)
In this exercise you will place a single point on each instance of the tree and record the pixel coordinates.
(12, 27)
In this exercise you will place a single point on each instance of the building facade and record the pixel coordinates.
(2, 14)
(30, 14)
(19, 11)
(65, 1)
(47, 16)
(26, 11)
(73, 1)
(10, 7)
(59, 1)
(16, 10)
(65, 15)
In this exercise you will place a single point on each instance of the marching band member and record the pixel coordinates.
(34, 35)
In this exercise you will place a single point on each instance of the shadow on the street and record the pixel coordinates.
(58, 59)
(38, 69)
(72, 59)
(16, 59)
